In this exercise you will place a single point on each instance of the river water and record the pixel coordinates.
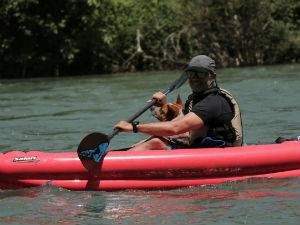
(54, 114)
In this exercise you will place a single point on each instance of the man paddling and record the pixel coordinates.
(212, 116)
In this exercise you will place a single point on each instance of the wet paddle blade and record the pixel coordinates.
(93, 146)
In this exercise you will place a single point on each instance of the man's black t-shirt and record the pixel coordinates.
(216, 111)
(213, 109)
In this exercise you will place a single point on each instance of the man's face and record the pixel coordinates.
(199, 81)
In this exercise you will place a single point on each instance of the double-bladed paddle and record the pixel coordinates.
(95, 145)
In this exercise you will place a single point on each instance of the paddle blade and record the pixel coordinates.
(181, 80)
(93, 146)
(177, 83)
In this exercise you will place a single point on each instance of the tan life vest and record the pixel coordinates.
(236, 122)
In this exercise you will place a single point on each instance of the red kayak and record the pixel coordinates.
(160, 169)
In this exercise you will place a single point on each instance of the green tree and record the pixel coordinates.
(54, 38)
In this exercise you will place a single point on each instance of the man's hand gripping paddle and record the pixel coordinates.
(95, 145)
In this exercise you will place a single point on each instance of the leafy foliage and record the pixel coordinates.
(54, 38)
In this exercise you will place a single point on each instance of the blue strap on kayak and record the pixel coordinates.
(169, 147)
(95, 153)
(208, 142)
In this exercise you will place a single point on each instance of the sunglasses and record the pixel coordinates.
(199, 75)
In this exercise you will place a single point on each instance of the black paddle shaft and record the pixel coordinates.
(176, 84)
(94, 140)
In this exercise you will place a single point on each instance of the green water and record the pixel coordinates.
(54, 114)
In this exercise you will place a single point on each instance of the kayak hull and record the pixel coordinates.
(116, 185)
(160, 169)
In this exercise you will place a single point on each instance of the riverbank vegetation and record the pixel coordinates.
(69, 37)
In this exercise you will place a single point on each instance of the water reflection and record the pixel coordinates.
(190, 204)
(46, 204)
